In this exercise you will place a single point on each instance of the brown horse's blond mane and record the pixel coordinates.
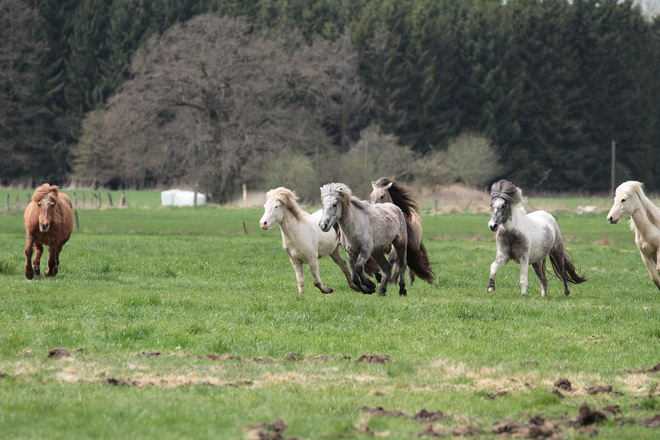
(288, 198)
(632, 188)
(46, 190)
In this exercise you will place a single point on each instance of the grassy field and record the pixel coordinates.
(179, 325)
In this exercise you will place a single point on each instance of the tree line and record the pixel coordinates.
(216, 93)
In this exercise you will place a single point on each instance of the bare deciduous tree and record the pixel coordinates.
(212, 103)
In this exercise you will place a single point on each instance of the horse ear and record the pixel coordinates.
(389, 185)
(373, 184)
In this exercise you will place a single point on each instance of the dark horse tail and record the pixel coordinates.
(417, 259)
(573, 276)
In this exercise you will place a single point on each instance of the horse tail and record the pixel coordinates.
(417, 258)
(372, 269)
(573, 275)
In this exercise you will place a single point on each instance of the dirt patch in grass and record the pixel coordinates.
(427, 416)
(603, 389)
(374, 358)
(651, 422)
(538, 427)
(563, 384)
(653, 369)
(587, 416)
(149, 354)
(319, 358)
(380, 411)
(267, 431)
(58, 353)
(261, 361)
(493, 396)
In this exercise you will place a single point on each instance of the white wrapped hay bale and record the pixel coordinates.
(176, 197)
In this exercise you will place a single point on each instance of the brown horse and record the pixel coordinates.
(48, 221)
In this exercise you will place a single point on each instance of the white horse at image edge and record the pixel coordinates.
(302, 238)
(630, 200)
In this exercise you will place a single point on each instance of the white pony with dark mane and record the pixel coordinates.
(630, 200)
(527, 239)
(370, 231)
(302, 239)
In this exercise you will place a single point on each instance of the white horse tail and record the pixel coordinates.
(417, 259)
(573, 275)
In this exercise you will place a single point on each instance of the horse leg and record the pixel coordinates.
(52, 260)
(339, 261)
(500, 260)
(538, 270)
(36, 264)
(359, 278)
(657, 268)
(401, 261)
(298, 268)
(316, 276)
(524, 268)
(386, 267)
(29, 272)
(651, 267)
(395, 267)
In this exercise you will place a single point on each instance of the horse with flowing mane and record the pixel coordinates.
(48, 221)
(630, 200)
(371, 230)
(302, 239)
(386, 190)
(527, 239)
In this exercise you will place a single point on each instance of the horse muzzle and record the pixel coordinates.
(325, 227)
(44, 228)
(265, 226)
(612, 220)
(493, 226)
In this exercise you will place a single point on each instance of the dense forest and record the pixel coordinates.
(218, 93)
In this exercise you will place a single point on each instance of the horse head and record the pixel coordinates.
(380, 193)
(335, 198)
(46, 197)
(624, 201)
(504, 195)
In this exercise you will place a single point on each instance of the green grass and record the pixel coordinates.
(188, 282)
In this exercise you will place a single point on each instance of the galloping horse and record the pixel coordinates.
(630, 200)
(371, 230)
(302, 239)
(48, 221)
(527, 239)
(386, 190)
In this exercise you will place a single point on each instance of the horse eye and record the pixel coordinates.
(623, 200)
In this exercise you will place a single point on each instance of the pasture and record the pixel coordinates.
(181, 326)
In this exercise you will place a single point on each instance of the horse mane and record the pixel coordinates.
(46, 190)
(288, 198)
(632, 188)
(507, 191)
(402, 196)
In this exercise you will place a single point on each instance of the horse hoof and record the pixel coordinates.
(490, 289)
(381, 294)
(29, 276)
(367, 291)
(327, 291)
(354, 287)
(403, 292)
(37, 272)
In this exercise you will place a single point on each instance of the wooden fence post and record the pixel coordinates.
(18, 200)
(28, 199)
(83, 199)
(75, 211)
(75, 200)
(7, 202)
(122, 200)
(98, 197)
(110, 198)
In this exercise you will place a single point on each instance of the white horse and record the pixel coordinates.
(527, 239)
(629, 200)
(302, 239)
(371, 230)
